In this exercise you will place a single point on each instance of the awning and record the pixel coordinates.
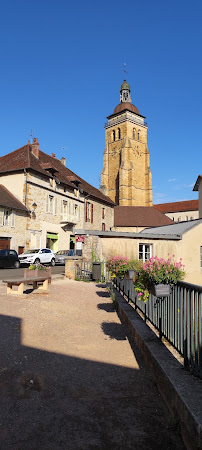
(52, 236)
(73, 239)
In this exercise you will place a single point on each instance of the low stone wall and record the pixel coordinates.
(70, 265)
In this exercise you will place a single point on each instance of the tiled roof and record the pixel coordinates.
(139, 216)
(187, 205)
(8, 200)
(174, 229)
(23, 158)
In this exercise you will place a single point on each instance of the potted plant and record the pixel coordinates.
(34, 270)
(132, 269)
(157, 276)
(117, 266)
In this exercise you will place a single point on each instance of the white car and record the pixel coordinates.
(37, 256)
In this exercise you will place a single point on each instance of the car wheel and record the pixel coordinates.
(37, 261)
(16, 265)
(52, 262)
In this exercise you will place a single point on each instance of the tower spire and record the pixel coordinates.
(125, 92)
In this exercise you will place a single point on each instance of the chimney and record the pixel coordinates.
(35, 148)
(63, 161)
(53, 155)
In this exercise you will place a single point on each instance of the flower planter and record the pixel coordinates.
(129, 275)
(32, 273)
(160, 290)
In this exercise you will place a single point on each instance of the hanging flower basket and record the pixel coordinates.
(160, 290)
(129, 275)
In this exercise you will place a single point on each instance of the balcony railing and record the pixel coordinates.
(177, 317)
(69, 218)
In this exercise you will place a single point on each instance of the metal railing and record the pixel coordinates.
(177, 317)
(84, 271)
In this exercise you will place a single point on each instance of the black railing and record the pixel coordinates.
(177, 317)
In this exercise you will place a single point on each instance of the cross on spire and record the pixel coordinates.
(124, 70)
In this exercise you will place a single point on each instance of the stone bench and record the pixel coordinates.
(21, 281)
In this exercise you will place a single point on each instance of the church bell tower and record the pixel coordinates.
(126, 176)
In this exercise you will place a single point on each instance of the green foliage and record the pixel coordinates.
(117, 266)
(37, 266)
(157, 271)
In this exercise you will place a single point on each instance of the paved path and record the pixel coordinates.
(71, 378)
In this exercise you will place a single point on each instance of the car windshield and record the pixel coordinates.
(62, 252)
(35, 250)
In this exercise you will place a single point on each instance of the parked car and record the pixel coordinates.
(62, 254)
(9, 258)
(36, 256)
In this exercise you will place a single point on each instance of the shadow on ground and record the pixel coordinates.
(55, 401)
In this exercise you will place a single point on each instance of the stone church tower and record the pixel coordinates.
(126, 177)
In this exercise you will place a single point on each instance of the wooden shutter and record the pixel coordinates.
(12, 218)
(47, 199)
(61, 209)
(1, 217)
(86, 212)
(91, 212)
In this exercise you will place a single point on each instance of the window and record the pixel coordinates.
(201, 257)
(64, 210)
(179, 219)
(133, 133)
(103, 213)
(138, 136)
(89, 212)
(113, 135)
(7, 217)
(119, 133)
(103, 226)
(51, 204)
(145, 252)
(187, 218)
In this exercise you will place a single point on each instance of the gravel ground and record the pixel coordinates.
(72, 378)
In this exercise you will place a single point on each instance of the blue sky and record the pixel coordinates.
(61, 70)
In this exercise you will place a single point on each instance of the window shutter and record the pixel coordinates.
(12, 219)
(86, 212)
(55, 206)
(91, 212)
(61, 209)
(1, 217)
(46, 207)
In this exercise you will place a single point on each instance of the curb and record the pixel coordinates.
(181, 391)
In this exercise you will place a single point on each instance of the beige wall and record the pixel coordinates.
(129, 229)
(15, 184)
(182, 216)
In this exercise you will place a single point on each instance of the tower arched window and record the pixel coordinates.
(133, 133)
(138, 136)
(119, 133)
(113, 135)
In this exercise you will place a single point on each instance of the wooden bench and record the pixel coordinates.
(21, 281)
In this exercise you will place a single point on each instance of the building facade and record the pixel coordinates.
(126, 176)
(57, 201)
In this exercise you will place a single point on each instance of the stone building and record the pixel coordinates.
(126, 177)
(58, 201)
